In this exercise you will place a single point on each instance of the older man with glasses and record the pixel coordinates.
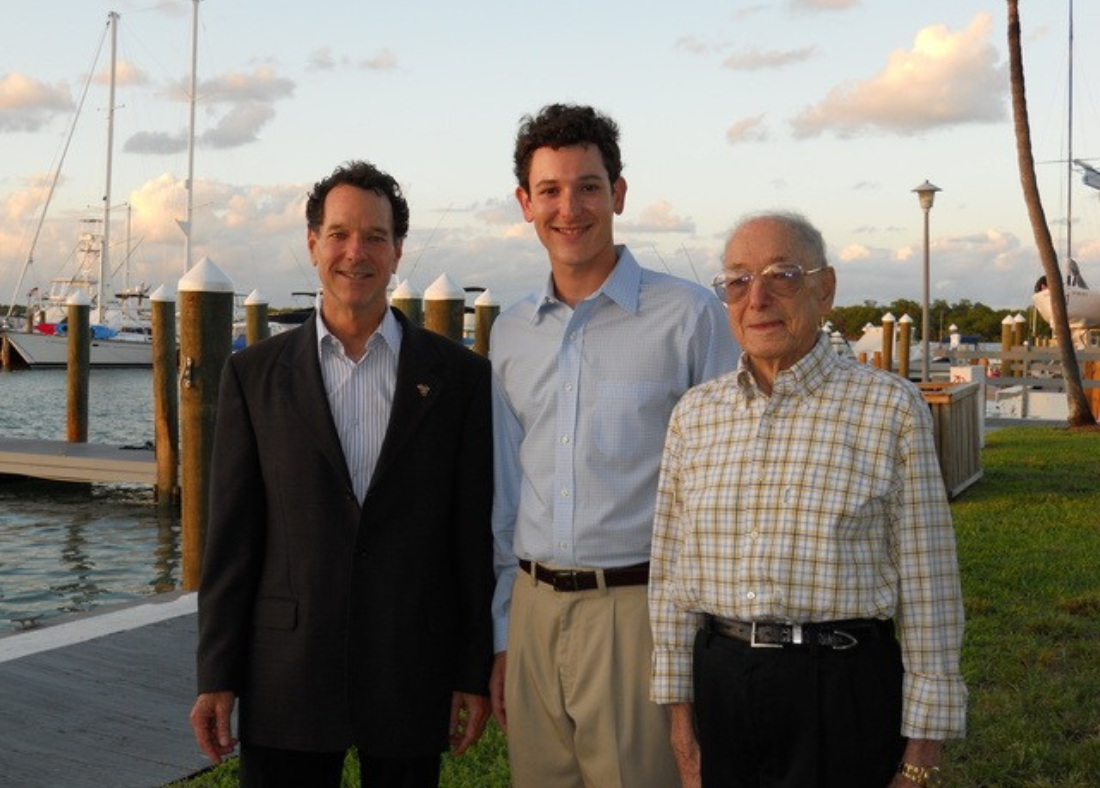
(804, 586)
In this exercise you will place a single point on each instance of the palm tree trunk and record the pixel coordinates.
(1080, 415)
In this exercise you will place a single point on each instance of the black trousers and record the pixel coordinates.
(264, 767)
(798, 716)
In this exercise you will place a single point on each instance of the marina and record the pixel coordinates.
(71, 548)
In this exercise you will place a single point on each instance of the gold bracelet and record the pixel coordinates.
(924, 776)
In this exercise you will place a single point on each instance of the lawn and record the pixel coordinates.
(1029, 550)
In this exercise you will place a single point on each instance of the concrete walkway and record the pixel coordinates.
(101, 699)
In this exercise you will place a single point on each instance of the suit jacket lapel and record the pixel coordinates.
(419, 383)
(305, 388)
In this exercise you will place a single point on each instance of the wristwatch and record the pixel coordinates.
(921, 775)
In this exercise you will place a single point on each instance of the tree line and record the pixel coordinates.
(973, 319)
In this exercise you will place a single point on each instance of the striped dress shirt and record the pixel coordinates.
(360, 394)
(823, 501)
(581, 400)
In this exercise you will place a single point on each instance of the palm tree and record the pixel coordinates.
(1080, 415)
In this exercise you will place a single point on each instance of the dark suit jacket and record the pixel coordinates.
(337, 623)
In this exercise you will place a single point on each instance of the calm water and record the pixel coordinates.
(69, 547)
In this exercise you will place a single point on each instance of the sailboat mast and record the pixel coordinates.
(105, 245)
(1069, 145)
(191, 136)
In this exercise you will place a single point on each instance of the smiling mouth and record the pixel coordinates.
(571, 232)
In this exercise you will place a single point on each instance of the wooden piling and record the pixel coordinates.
(409, 301)
(445, 308)
(888, 342)
(905, 340)
(166, 401)
(256, 324)
(80, 352)
(206, 334)
(486, 311)
(1007, 330)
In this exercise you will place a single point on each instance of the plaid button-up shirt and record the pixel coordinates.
(823, 501)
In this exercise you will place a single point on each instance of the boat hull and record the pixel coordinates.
(44, 350)
(1082, 307)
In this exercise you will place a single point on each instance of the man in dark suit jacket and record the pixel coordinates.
(347, 578)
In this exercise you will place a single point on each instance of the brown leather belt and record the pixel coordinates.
(837, 635)
(587, 579)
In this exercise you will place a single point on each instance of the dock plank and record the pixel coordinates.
(96, 711)
(77, 462)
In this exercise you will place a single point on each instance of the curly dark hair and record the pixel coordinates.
(363, 175)
(560, 126)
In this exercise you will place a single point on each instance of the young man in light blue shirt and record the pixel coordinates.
(586, 373)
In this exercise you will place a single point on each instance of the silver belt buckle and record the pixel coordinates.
(754, 644)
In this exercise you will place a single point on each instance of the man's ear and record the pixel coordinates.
(618, 191)
(828, 289)
(524, 200)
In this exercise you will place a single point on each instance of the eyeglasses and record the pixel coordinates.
(780, 279)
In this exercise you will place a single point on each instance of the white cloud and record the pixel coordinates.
(947, 78)
(854, 252)
(693, 45)
(27, 104)
(382, 60)
(658, 218)
(747, 130)
(756, 60)
(126, 73)
(823, 5)
(240, 126)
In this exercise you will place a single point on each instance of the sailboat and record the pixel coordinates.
(121, 333)
(1082, 303)
(121, 336)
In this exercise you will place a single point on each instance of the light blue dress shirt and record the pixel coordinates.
(581, 402)
(360, 394)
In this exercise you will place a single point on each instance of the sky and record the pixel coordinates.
(836, 109)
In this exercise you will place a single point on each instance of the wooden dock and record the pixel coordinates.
(77, 462)
(101, 699)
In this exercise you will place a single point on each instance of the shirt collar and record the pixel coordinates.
(806, 376)
(622, 286)
(389, 330)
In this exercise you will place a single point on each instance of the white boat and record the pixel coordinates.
(38, 350)
(1082, 305)
(122, 335)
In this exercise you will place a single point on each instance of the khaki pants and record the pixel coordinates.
(577, 691)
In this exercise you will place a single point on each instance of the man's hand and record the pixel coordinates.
(919, 752)
(496, 690)
(466, 728)
(210, 720)
(685, 746)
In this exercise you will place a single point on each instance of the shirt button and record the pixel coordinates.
(750, 595)
(564, 493)
(565, 439)
(563, 545)
(753, 534)
(568, 386)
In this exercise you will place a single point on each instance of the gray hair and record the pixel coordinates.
(797, 223)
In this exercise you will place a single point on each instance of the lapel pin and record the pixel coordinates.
(424, 389)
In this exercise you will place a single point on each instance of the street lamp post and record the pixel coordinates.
(926, 193)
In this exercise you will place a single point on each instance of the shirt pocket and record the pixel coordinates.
(630, 419)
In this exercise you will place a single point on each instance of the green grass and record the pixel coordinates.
(1029, 550)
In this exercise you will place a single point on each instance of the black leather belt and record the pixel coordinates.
(838, 635)
(586, 579)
